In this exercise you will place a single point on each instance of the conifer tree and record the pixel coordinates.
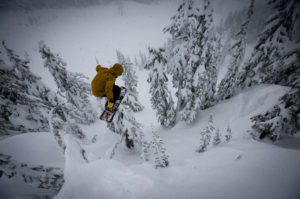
(228, 134)
(56, 121)
(189, 62)
(220, 52)
(161, 98)
(276, 60)
(130, 80)
(193, 88)
(161, 159)
(274, 44)
(206, 134)
(77, 108)
(283, 118)
(204, 76)
(60, 125)
(142, 60)
(146, 146)
(71, 86)
(25, 99)
(228, 83)
(38, 176)
(217, 137)
(179, 53)
(204, 140)
(124, 123)
(210, 65)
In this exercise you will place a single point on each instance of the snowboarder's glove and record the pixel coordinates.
(110, 105)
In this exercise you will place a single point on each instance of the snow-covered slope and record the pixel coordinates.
(33, 148)
(242, 168)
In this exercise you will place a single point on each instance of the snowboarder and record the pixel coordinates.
(103, 84)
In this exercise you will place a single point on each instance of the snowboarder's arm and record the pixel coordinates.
(109, 89)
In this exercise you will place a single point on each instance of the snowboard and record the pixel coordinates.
(108, 114)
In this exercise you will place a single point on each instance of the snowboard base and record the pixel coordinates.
(108, 115)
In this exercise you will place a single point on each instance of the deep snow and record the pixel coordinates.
(242, 168)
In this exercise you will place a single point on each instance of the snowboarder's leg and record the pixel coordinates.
(116, 92)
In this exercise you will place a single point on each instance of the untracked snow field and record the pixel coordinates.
(240, 169)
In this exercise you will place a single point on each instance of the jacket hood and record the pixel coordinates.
(99, 67)
(117, 70)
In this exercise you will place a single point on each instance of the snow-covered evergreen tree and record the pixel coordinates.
(217, 137)
(130, 80)
(180, 51)
(202, 85)
(161, 159)
(146, 146)
(206, 135)
(220, 52)
(161, 98)
(283, 118)
(61, 125)
(210, 65)
(25, 99)
(156, 56)
(38, 176)
(124, 123)
(276, 60)
(204, 140)
(71, 86)
(228, 83)
(76, 109)
(141, 61)
(228, 134)
(274, 43)
(191, 92)
(189, 62)
(56, 121)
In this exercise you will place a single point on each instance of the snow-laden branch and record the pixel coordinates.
(36, 175)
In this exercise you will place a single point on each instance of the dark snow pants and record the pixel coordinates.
(116, 92)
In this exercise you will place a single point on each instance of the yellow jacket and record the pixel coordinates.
(103, 82)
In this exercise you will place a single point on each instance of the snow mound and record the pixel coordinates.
(33, 148)
(102, 178)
